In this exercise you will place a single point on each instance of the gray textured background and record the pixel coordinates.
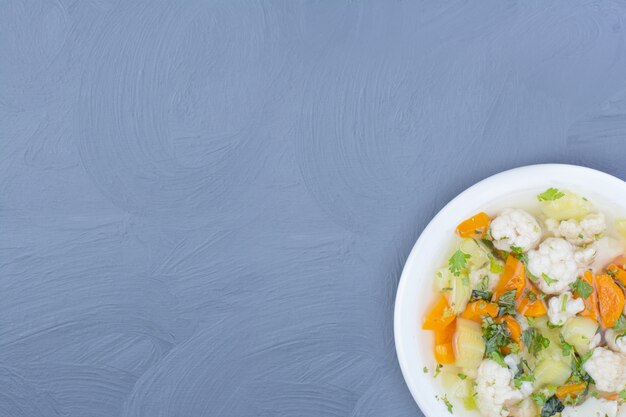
(205, 206)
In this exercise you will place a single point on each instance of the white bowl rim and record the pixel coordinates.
(415, 379)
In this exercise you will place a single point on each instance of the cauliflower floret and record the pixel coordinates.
(586, 231)
(595, 341)
(493, 386)
(554, 264)
(607, 369)
(621, 411)
(478, 275)
(526, 408)
(515, 227)
(584, 257)
(563, 307)
(616, 342)
(592, 407)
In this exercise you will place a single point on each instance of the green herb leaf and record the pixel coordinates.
(547, 279)
(494, 266)
(581, 288)
(461, 376)
(622, 394)
(437, 370)
(497, 357)
(458, 262)
(425, 370)
(565, 347)
(550, 194)
(534, 340)
(481, 295)
(496, 335)
(507, 303)
(447, 403)
(552, 406)
(620, 325)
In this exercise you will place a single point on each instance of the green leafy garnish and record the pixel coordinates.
(532, 297)
(519, 254)
(552, 406)
(622, 394)
(581, 288)
(550, 194)
(496, 336)
(481, 295)
(425, 370)
(447, 403)
(564, 302)
(437, 370)
(547, 279)
(534, 340)
(461, 376)
(497, 357)
(539, 398)
(620, 325)
(494, 266)
(522, 378)
(507, 303)
(565, 347)
(458, 262)
(578, 373)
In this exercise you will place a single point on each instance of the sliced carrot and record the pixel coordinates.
(620, 261)
(475, 227)
(513, 278)
(617, 272)
(444, 353)
(440, 316)
(514, 327)
(534, 308)
(611, 397)
(610, 299)
(476, 310)
(445, 335)
(572, 390)
(591, 302)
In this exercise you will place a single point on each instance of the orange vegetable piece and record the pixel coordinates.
(514, 327)
(572, 390)
(611, 397)
(475, 227)
(513, 278)
(444, 353)
(478, 309)
(591, 302)
(611, 300)
(445, 335)
(617, 272)
(620, 261)
(528, 308)
(440, 316)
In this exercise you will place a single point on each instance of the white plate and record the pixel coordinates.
(517, 187)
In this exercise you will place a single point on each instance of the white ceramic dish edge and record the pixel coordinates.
(413, 345)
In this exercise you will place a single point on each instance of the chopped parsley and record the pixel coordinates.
(497, 357)
(461, 376)
(425, 370)
(522, 378)
(581, 288)
(564, 302)
(620, 324)
(532, 297)
(458, 262)
(496, 336)
(481, 295)
(534, 340)
(552, 406)
(447, 403)
(547, 279)
(622, 394)
(494, 266)
(566, 347)
(550, 194)
(437, 371)
(519, 254)
(507, 303)
(578, 373)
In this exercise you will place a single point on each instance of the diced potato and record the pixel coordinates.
(578, 332)
(570, 206)
(460, 294)
(551, 371)
(478, 254)
(457, 387)
(468, 344)
(443, 280)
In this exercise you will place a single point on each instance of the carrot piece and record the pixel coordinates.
(440, 316)
(611, 397)
(620, 261)
(444, 353)
(611, 300)
(475, 227)
(572, 390)
(591, 302)
(513, 278)
(514, 327)
(445, 335)
(478, 309)
(617, 273)
(531, 305)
